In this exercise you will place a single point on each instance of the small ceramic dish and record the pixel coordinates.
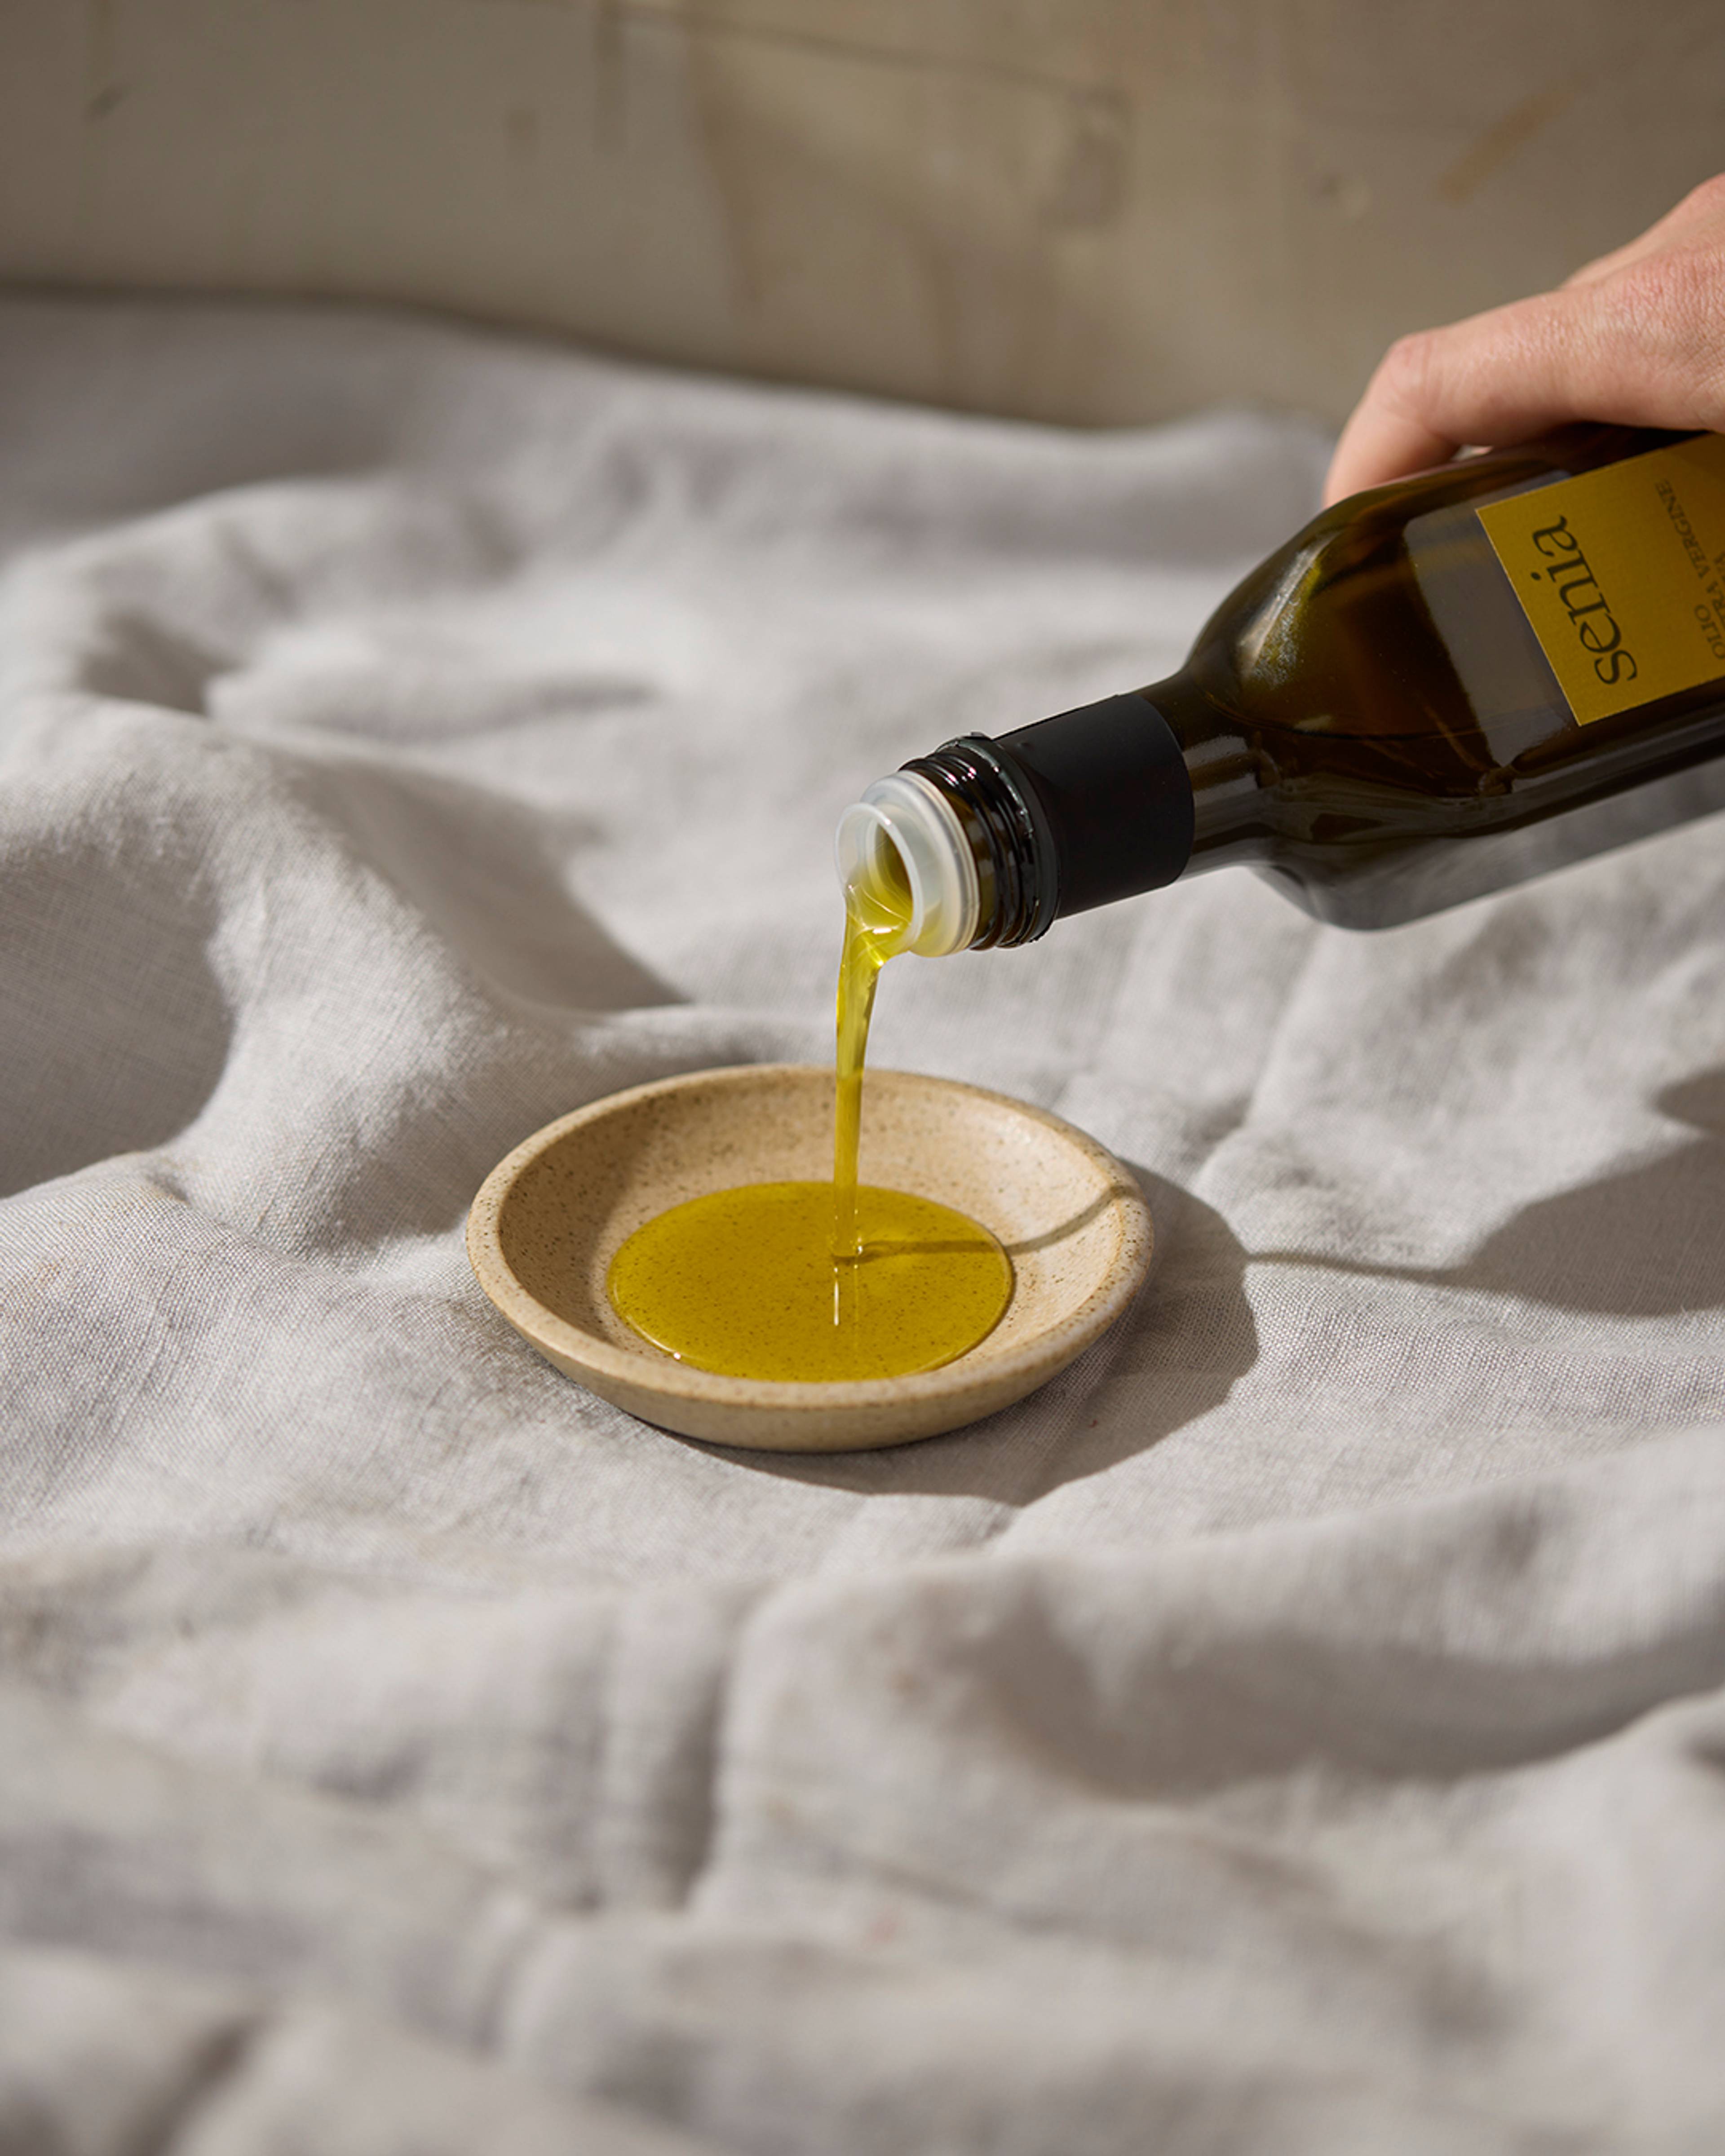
(548, 1220)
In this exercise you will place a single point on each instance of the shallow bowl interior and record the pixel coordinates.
(549, 1218)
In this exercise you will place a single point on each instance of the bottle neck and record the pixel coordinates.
(1095, 804)
(1224, 772)
(1008, 833)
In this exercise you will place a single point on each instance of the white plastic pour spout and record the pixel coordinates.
(903, 812)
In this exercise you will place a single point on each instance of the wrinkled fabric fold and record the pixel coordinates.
(1301, 1727)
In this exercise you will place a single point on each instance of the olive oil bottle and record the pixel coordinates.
(1437, 689)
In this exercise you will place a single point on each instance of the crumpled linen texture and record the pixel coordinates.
(1299, 1727)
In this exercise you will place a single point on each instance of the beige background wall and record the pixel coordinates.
(1079, 210)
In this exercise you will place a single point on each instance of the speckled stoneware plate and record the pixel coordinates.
(548, 1220)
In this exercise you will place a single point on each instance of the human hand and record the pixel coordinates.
(1637, 337)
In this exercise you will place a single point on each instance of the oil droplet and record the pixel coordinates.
(744, 1282)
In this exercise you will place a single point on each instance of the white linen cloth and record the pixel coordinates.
(1299, 1728)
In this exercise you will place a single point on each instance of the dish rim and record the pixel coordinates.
(1105, 1301)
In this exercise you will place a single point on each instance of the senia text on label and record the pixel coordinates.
(1614, 661)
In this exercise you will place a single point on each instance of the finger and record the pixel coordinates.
(1636, 335)
(1698, 220)
(1640, 347)
(1387, 435)
(1434, 392)
(1608, 266)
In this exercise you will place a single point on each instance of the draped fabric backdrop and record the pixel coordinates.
(1298, 1730)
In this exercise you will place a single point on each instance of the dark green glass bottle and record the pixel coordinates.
(1370, 721)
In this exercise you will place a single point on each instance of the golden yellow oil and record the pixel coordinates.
(877, 916)
(745, 1282)
(819, 1282)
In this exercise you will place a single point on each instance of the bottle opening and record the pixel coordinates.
(880, 890)
(903, 860)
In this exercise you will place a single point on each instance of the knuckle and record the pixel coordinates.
(1405, 372)
(1661, 305)
(1707, 199)
(1654, 334)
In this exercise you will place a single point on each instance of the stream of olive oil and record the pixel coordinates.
(819, 1281)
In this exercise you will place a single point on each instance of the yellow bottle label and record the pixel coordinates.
(1621, 575)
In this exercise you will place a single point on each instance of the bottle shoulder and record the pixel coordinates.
(1359, 625)
(1378, 685)
(1387, 637)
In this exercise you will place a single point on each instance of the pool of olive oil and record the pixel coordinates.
(819, 1281)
